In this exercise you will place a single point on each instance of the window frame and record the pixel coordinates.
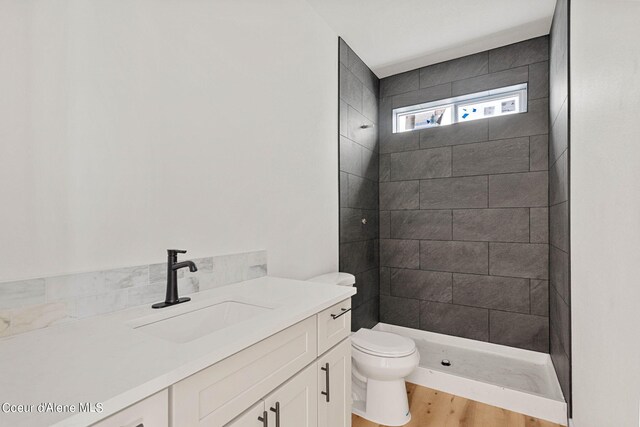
(520, 90)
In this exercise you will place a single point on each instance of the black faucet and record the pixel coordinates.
(172, 278)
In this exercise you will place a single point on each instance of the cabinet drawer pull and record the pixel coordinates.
(325, 368)
(265, 419)
(277, 411)
(344, 311)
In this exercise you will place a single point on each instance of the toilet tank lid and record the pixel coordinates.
(337, 278)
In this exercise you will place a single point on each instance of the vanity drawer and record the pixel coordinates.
(216, 395)
(150, 412)
(334, 325)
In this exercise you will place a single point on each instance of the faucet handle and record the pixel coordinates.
(174, 252)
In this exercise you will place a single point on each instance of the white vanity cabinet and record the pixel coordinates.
(298, 377)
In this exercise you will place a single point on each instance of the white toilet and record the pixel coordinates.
(380, 362)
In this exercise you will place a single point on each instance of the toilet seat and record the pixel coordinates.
(382, 344)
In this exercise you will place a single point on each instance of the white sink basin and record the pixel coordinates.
(197, 323)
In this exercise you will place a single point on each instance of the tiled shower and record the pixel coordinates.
(463, 245)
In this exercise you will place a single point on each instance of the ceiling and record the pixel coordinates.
(392, 36)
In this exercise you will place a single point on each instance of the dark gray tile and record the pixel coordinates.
(343, 118)
(559, 226)
(502, 225)
(518, 54)
(520, 330)
(421, 164)
(350, 157)
(518, 190)
(539, 153)
(525, 260)
(459, 133)
(368, 286)
(385, 167)
(365, 316)
(539, 297)
(491, 81)
(400, 83)
(385, 281)
(457, 69)
(560, 318)
(457, 257)
(385, 122)
(371, 225)
(559, 60)
(457, 320)
(395, 142)
(538, 80)
(343, 49)
(363, 73)
(369, 105)
(399, 253)
(500, 293)
(561, 364)
(370, 165)
(344, 189)
(434, 93)
(418, 224)
(399, 195)
(534, 122)
(559, 181)
(424, 285)
(385, 224)
(400, 311)
(363, 193)
(559, 134)
(469, 192)
(357, 257)
(361, 130)
(539, 225)
(350, 225)
(350, 88)
(503, 156)
(559, 271)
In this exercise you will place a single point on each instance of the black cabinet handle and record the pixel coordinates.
(344, 311)
(265, 419)
(325, 368)
(277, 411)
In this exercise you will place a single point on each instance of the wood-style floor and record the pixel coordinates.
(432, 408)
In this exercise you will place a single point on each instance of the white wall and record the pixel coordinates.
(605, 212)
(131, 126)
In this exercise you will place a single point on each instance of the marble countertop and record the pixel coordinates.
(105, 360)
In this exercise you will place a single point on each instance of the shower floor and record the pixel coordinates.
(514, 379)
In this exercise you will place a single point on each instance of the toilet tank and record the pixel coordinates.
(337, 278)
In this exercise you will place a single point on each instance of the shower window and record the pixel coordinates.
(465, 108)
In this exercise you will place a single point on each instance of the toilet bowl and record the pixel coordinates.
(381, 361)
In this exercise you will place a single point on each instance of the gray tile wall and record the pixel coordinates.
(34, 304)
(464, 208)
(560, 292)
(358, 145)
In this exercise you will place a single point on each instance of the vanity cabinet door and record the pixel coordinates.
(252, 417)
(295, 403)
(334, 325)
(334, 386)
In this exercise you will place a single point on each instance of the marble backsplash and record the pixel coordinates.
(33, 304)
